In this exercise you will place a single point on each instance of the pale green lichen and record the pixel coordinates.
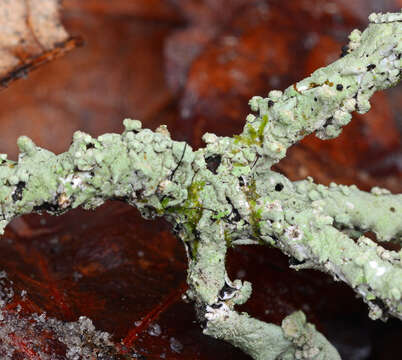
(226, 195)
(296, 339)
(323, 102)
(307, 341)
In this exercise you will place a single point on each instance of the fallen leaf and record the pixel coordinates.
(31, 35)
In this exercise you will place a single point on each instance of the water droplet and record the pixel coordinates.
(175, 345)
(154, 330)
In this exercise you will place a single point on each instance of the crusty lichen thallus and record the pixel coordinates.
(226, 194)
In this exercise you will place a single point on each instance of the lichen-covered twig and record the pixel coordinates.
(295, 339)
(322, 103)
(226, 195)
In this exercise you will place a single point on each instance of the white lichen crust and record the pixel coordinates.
(226, 194)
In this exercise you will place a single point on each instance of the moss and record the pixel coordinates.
(255, 218)
(194, 189)
(165, 202)
(192, 208)
(194, 248)
(261, 128)
(191, 211)
(219, 215)
(251, 191)
(228, 238)
(256, 214)
(252, 136)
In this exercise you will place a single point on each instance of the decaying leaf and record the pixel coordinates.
(31, 34)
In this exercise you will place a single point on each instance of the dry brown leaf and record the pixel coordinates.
(31, 34)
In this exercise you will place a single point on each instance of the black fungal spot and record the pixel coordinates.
(293, 261)
(279, 187)
(234, 216)
(392, 209)
(18, 191)
(202, 321)
(90, 146)
(241, 181)
(380, 304)
(213, 163)
(120, 198)
(46, 206)
(344, 50)
(339, 87)
(216, 305)
(357, 104)
(139, 193)
(270, 103)
(226, 290)
(315, 99)
(370, 67)
(328, 121)
(176, 229)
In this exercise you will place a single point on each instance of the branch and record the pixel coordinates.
(323, 102)
(304, 220)
(378, 211)
(135, 167)
(296, 339)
